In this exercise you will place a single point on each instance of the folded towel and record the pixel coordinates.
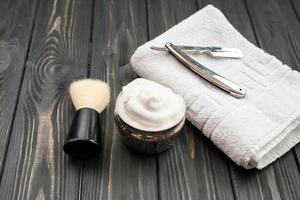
(253, 131)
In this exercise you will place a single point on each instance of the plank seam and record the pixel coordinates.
(259, 44)
(147, 19)
(91, 41)
(35, 12)
(157, 177)
(296, 159)
(156, 156)
(88, 74)
(80, 180)
(197, 5)
(235, 193)
(294, 9)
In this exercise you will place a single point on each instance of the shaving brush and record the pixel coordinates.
(90, 97)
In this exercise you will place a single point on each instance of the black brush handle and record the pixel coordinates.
(83, 139)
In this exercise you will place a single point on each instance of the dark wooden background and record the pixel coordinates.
(44, 45)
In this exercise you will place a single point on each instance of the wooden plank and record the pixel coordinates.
(273, 181)
(16, 22)
(296, 7)
(277, 29)
(194, 168)
(247, 184)
(119, 27)
(291, 14)
(36, 167)
(289, 29)
(236, 13)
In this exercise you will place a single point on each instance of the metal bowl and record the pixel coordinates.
(149, 142)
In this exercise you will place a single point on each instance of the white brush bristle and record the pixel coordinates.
(90, 93)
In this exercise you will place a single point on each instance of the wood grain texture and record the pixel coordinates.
(194, 168)
(296, 7)
(253, 184)
(269, 183)
(247, 184)
(58, 52)
(284, 23)
(119, 27)
(277, 29)
(290, 20)
(16, 22)
(36, 167)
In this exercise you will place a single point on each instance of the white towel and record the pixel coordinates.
(253, 131)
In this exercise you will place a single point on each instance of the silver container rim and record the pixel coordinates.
(148, 136)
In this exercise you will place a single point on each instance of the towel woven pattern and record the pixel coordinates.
(253, 131)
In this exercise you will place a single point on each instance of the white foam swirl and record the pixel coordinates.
(150, 106)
